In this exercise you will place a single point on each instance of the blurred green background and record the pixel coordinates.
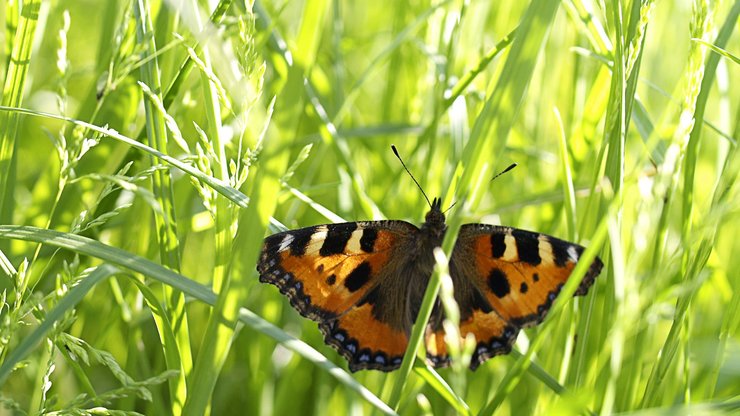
(622, 116)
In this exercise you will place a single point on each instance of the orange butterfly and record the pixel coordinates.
(363, 282)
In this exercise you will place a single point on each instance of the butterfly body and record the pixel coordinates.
(363, 282)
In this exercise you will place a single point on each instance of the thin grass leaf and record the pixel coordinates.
(13, 87)
(168, 119)
(567, 178)
(217, 338)
(325, 212)
(302, 156)
(481, 66)
(391, 47)
(234, 195)
(329, 132)
(439, 384)
(179, 354)
(718, 50)
(66, 304)
(494, 120)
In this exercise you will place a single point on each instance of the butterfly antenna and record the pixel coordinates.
(512, 166)
(451, 206)
(395, 151)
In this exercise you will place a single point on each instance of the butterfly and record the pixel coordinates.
(363, 282)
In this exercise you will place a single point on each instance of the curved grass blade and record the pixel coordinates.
(233, 194)
(15, 83)
(494, 120)
(67, 303)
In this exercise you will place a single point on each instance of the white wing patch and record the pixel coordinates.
(573, 254)
(353, 245)
(287, 240)
(511, 253)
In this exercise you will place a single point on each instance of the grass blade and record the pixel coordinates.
(65, 305)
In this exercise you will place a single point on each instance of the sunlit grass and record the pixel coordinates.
(180, 148)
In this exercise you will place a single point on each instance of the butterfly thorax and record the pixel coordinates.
(421, 255)
(434, 223)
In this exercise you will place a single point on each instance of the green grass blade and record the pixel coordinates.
(329, 132)
(436, 382)
(392, 46)
(13, 87)
(233, 194)
(178, 355)
(567, 178)
(693, 257)
(65, 305)
(709, 73)
(718, 50)
(495, 120)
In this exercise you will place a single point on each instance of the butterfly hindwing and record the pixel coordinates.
(365, 341)
(333, 274)
(493, 335)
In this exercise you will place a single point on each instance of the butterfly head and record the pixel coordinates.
(434, 222)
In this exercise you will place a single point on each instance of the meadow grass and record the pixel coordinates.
(146, 149)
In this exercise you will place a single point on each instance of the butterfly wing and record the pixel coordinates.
(506, 279)
(333, 274)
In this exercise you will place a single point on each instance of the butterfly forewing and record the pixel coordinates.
(520, 272)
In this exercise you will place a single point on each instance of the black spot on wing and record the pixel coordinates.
(559, 251)
(331, 280)
(301, 238)
(359, 276)
(498, 283)
(528, 247)
(498, 245)
(523, 288)
(367, 241)
(272, 243)
(337, 236)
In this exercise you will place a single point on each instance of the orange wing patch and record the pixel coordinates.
(364, 341)
(521, 273)
(493, 336)
(325, 270)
